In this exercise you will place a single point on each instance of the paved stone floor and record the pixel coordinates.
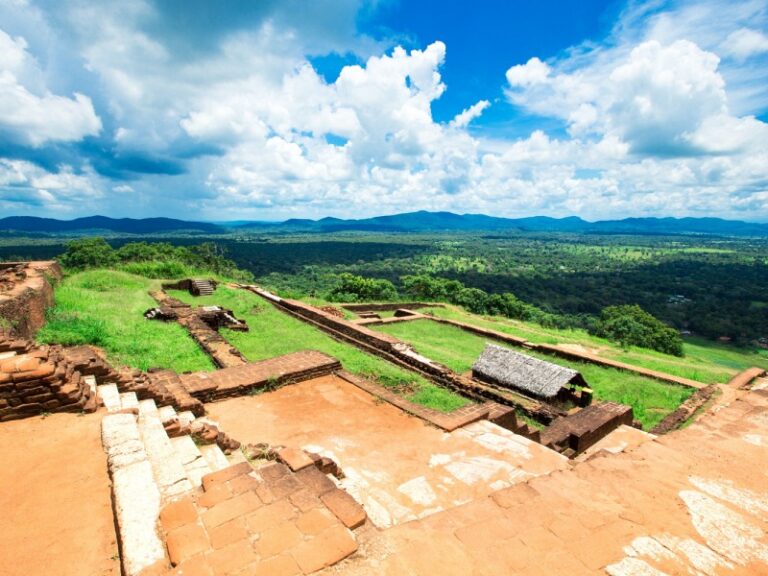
(55, 509)
(398, 467)
(692, 502)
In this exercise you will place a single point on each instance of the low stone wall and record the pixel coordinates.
(389, 306)
(267, 374)
(678, 417)
(447, 421)
(744, 379)
(577, 432)
(26, 292)
(42, 381)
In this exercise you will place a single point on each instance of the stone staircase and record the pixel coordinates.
(149, 469)
(202, 287)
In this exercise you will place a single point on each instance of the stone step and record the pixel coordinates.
(135, 494)
(194, 462)
(167, 414)
(91, 382)
(6, 355)
(186, 418)
(147, 407)
(167, 466)
(129, 400)
(216, 459)
(110, 397)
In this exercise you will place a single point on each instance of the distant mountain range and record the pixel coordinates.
(408, 222)
(103, 223)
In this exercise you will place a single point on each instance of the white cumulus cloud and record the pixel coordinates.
(36, 118)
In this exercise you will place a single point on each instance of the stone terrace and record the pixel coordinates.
(692, 502)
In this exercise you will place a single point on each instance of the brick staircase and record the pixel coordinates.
(148, 469)
(202, 287)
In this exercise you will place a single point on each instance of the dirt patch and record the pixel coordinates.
(55, 498)
(579, 349)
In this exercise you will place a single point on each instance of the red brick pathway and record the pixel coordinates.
(261, 521)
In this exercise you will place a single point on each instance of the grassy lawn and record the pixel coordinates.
(105, 308)
(273, 333)
(651, 400)
(704, 361)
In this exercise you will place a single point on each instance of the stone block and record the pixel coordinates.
(345, 508)
(324, 550)
(295, 459)
(178, 514)
(185, 542)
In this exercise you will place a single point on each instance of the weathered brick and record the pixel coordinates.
(345, 508)
(186, 541)
(324, 550)
(226, 474)
(229, 509)
(178, 514)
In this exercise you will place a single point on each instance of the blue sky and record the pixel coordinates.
(347, 108)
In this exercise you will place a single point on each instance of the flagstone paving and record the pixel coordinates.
(692, 502)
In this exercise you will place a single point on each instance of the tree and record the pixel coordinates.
(630, 325)
(353, 288)
(88, 253)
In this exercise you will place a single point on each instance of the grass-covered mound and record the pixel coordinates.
(650, 399)
(104, 308)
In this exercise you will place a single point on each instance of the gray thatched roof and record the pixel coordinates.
(525, 373)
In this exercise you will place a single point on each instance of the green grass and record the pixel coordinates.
(650, 399)
(704, 361)
(104, 308)
(273, 333)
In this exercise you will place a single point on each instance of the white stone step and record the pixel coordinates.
(167, 466)
(195, 464)
(167, 414)
(148, 407)
(137, 507)
(91, 382)
(216, 459)
(109, 396)
(186, 418)
(6, 355)
(129, 400)
(135, 494)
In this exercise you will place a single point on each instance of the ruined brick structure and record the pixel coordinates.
(41, 380)
(26, 291)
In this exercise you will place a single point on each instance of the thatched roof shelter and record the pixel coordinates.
(527, 374)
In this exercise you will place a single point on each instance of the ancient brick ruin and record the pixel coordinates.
(26, 292)
(292, 465)
(40, 380)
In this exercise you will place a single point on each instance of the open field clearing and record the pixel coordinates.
(650, 399)
(704, 360)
